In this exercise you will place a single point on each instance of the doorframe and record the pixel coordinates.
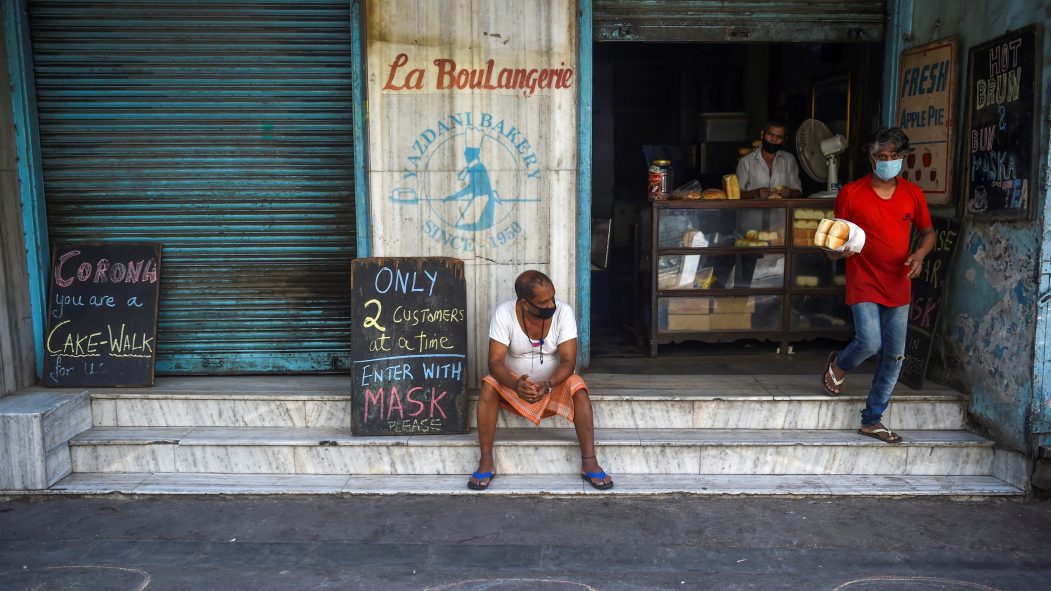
(585, 73)
(897, 35)
(1041, 403)
(362, 213)
(30, 170)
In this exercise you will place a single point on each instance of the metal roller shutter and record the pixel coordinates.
(224, 131)
(739, 21)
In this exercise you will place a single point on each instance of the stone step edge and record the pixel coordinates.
(957, 487)
(517, 437)
(676, 396)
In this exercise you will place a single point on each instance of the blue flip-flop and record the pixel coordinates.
(601, 475)
(480, 476)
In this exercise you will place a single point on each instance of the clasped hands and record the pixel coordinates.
(531, 391)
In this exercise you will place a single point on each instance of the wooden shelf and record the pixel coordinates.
(769, 308)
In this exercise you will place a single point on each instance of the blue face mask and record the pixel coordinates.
(888, 169)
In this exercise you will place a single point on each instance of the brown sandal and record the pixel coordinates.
(882, 433)
(828, 379)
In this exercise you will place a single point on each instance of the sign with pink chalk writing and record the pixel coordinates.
(409, 346)
(102, 315)
(928, 296)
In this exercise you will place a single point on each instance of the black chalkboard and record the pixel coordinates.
(409, 346)
(928, 296)
(1003, 83)
(102, 314)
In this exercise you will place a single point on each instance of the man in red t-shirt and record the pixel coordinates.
(879, 278)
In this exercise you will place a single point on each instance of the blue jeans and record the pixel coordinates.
(877, 330)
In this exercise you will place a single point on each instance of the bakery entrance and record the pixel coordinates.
(699, 270)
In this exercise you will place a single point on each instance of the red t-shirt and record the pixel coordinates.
(878, 273)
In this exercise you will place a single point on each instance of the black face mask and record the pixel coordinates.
(772, 148)
(543, 313)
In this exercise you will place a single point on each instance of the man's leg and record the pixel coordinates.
(893, 325)
(584, 422)
(488, 411)
(866, 343)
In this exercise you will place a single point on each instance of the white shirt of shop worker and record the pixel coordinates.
(753, 173)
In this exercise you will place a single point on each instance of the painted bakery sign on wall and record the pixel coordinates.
(448, 75)
(926, 113)
(474, 203)
(469, 133)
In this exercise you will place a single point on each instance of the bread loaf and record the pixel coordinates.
(731, 187)
(831, 234)
(712, 194)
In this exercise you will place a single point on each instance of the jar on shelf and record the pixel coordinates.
(659, 179)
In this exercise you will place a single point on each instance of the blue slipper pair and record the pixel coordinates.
(590, 477)
(480, 476)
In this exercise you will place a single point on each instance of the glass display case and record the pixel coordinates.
(730, 269)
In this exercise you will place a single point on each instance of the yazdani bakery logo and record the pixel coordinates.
(472, 171)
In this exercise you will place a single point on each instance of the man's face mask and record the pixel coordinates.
(888, 169)
(542, 313)
(773, 139)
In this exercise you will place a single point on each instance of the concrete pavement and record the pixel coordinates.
(496, 544)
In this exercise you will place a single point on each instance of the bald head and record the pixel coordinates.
(529, 281)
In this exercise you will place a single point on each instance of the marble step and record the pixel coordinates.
(619, 402)
(537, 484)
(35, 426)
(528, 451)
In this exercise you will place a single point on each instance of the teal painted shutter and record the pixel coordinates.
(224, 131)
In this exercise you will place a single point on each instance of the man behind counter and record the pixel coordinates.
(769, 172)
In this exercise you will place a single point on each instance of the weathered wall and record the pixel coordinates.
(988, 326)
(472, 142)
(16, 328)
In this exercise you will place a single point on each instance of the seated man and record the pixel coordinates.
(532, 355)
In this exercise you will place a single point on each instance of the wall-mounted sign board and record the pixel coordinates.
(926, 113)
(1003, 86)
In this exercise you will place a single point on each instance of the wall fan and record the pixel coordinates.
(818, 150)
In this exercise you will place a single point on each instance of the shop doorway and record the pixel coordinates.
(702, 105)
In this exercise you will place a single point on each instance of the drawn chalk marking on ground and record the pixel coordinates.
(146, 578)
(904, 579)
(483, 584)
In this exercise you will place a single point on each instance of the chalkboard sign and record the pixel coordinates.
(1002, 86)
(102, 315)
(928, 296)
(409, 346)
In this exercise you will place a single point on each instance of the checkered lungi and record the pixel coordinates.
(558, 402)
